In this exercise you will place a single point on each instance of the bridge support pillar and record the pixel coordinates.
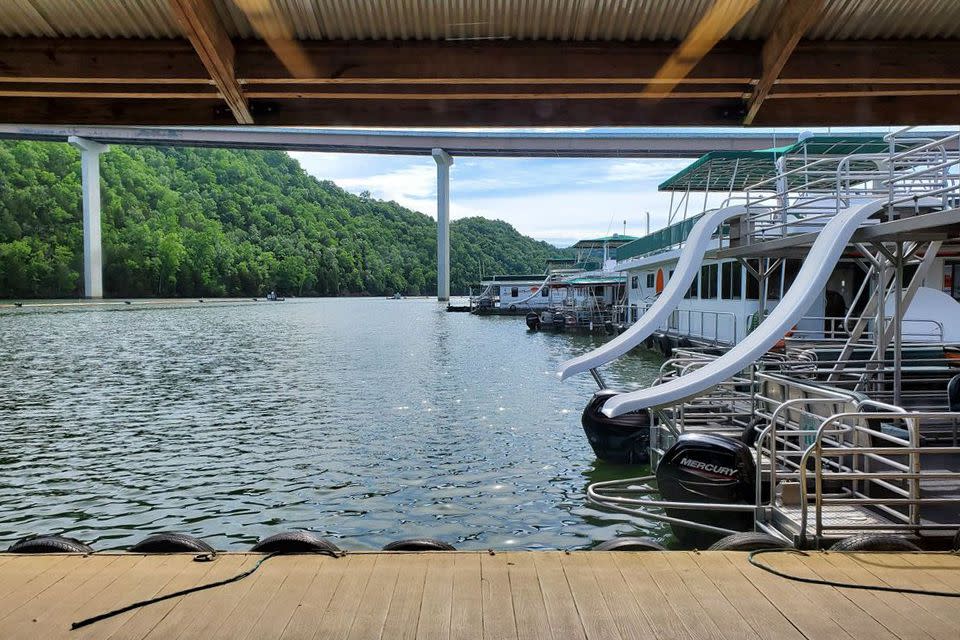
(92, 246)
(443, 160)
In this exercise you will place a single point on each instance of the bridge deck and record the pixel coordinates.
(712, 595)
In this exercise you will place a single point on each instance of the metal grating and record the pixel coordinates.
(601, 20)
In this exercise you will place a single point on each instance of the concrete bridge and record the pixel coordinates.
(443, 147)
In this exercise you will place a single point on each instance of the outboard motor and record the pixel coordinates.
(621, 440)
(703, 467)
(533, 321)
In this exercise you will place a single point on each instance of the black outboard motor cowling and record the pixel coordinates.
(703, 467)
(621, 440)
(533, 321)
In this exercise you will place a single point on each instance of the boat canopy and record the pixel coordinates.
(610, 242)
(659, 240)
(726, 171)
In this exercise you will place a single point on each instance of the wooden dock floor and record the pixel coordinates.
(517, 595)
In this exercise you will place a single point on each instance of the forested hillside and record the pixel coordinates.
(204, 222)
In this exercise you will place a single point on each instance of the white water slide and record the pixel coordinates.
(809, 283)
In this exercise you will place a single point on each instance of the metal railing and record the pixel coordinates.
(885, 478)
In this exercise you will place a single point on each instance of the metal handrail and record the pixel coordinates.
(910, 472)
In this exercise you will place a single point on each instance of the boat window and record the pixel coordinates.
(730, 279)
(708, 281)
(790, 270)
(650, 281)
(515, 292)
(598, 290)
(635, 282)
(774, 283)
(544, 292)
(694, 291)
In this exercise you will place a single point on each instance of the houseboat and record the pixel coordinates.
(574, 293)
(803, 425)
(724, 300)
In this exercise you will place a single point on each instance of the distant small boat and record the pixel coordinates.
(273, 297)
(397, 296)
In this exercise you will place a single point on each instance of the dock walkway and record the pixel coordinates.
(516, 595)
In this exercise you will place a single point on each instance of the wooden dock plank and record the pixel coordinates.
(196, 606)
(281, 607)
(882, 606)
(557, 597)
(896, 572)
(628, 614)
(830, 600)
(645, 591)
(58, 579)
(498, 614)
(53, 616)
(315, 600)
(683, 603)
(347, 599)
(26, 620)
(435, 607)
(466, 616)
(791, 600)
(712, 600)
(369, 620)
(945, 569)
(592, 608)
(146, 618)
(144, 580)
(754, 607)
(529, 610)
(472, 595)
(908, 609)
(404, 615)
(21, 573)
(268, 579)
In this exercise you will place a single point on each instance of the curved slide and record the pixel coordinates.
(810, 281)
(688, 266)
(535, 293)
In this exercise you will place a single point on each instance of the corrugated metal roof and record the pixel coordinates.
(481, 19)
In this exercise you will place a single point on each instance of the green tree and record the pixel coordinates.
(210, 222)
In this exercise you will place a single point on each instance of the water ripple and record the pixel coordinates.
(367, 420)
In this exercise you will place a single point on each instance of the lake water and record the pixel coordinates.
(366, 420)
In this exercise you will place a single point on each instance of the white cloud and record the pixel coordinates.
(637, 170)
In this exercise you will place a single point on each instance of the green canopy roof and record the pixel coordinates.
(610, 241)
(737, 170)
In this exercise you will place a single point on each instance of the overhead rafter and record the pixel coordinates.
(795, 17)
(279, 36)
(490, 83)
(722, 16)
(206, 33)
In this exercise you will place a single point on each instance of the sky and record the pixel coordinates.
(553, 199)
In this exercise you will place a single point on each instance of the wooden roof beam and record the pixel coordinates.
(279, 36)
(722, 16)
(795, 17)
(206, 33)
